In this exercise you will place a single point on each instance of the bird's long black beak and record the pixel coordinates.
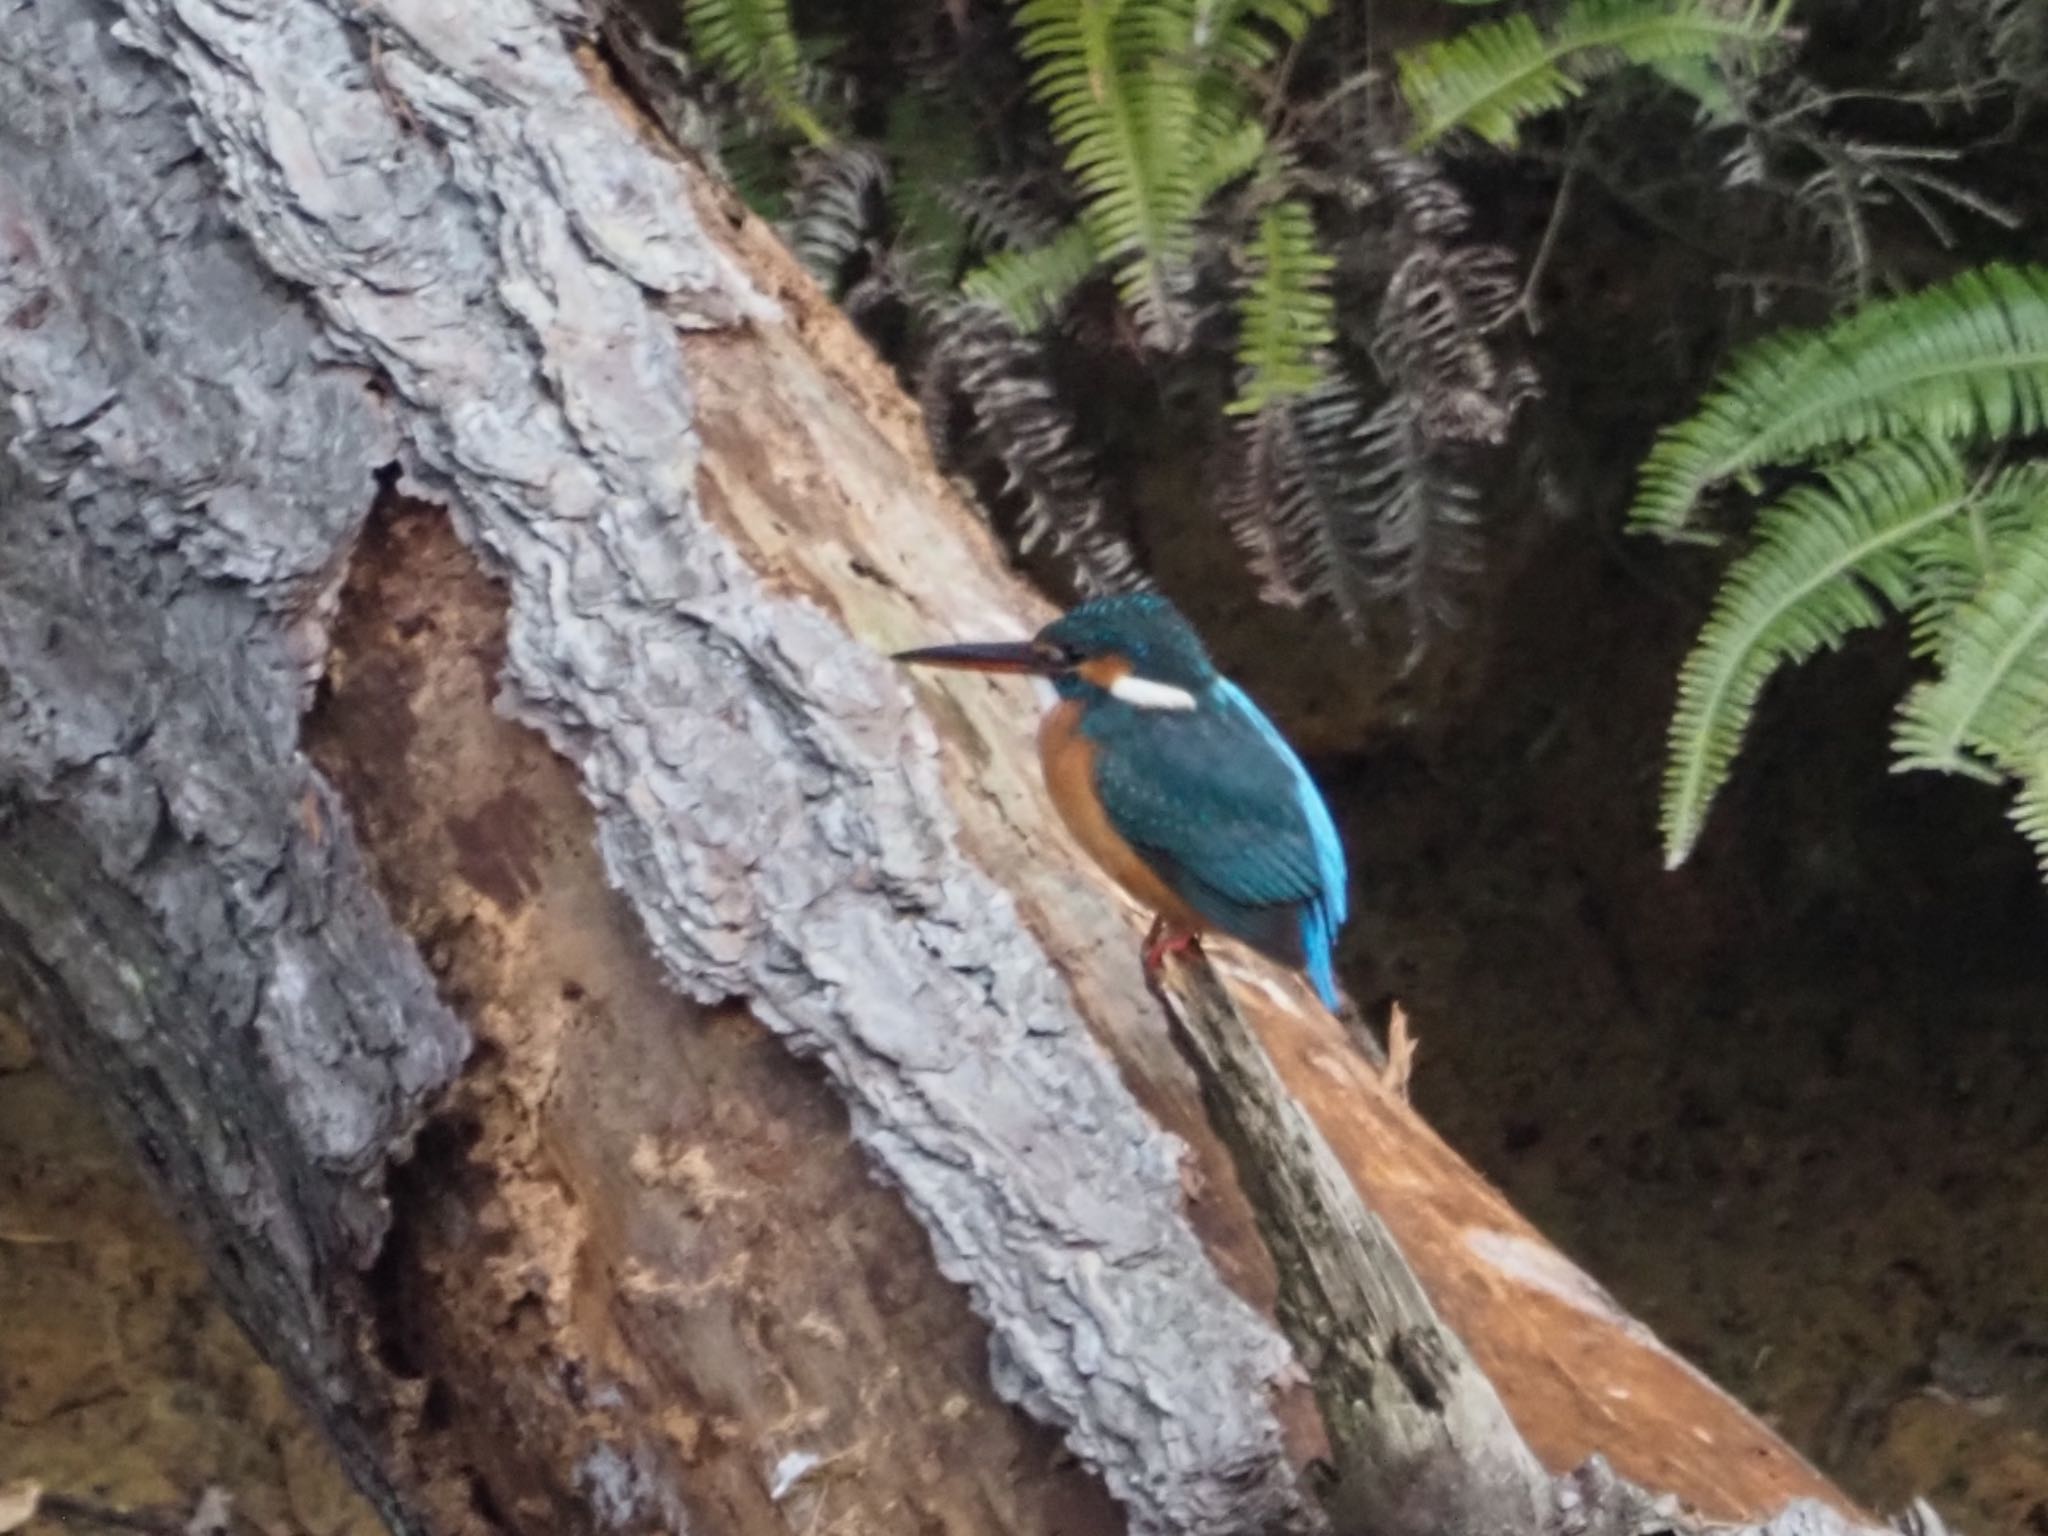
(995, 656)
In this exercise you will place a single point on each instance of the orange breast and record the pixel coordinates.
(1068, 758)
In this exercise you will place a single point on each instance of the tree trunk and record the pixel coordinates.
(629, 1065)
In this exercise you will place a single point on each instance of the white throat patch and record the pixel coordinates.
(1143, 693)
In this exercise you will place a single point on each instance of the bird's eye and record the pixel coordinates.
(1057, 655)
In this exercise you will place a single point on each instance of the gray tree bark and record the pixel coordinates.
(628, 1065)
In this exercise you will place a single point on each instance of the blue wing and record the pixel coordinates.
(1217, 802)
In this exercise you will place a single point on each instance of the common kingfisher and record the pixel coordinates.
(1171, 778)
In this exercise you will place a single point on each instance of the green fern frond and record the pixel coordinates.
(1828, 559)
(1989, 706)
(1234, 151)
(1124, 106)
(1954, 561)
(752, 44)
(1226, 44)
(1700, 77)
(932, 143)
(1966, 360)
(757, 165)
(1247, 35)
(1152, 102)
(2030, 810)
(1030, 286)
(1286, 316)
(1491, 76)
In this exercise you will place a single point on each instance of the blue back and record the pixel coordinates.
(1218, 803)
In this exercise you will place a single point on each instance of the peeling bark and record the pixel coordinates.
(721, 924)
(636, 1226)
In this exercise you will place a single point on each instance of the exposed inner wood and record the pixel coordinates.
(1577, 1373)
(632, 1211)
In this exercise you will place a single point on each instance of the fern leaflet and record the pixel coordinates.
(1964, 361)
(1984, 46)
(1426, 531)
(1989, 706)
(1151, 101)
(839, 197)
(1234, 150)
(1340, 499)
(1019, 418)
(1828, 559)
(1491, 76)
(1030, 285)
(1287, 317)
(1125, 109)
(1296, 503)
(1955, 560)
(2030, 810)
(1246, 35)
(753, 44)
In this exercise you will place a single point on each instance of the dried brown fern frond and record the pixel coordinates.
(1366, 498)
(1984, 49)
(1443, 335)
(838, 207)
(986, 387)
(1344, 501)
(1836, 185)
(1010, 213)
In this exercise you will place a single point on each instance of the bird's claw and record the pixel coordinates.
(1163, 941)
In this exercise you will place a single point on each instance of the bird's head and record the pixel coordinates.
(1135, 648)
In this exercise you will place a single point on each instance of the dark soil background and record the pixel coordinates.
(1790, 1103)
(123, 1382)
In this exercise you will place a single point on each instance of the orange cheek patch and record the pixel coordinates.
(1104, 671)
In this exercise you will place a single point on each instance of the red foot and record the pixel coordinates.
(1163, 941)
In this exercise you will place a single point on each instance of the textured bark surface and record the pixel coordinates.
(186, 462)
(1419, 1440)
(721, 924)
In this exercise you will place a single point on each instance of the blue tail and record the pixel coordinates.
(1316, 941)
(1325, 914)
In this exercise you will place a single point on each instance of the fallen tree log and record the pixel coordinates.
(628, 1065)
